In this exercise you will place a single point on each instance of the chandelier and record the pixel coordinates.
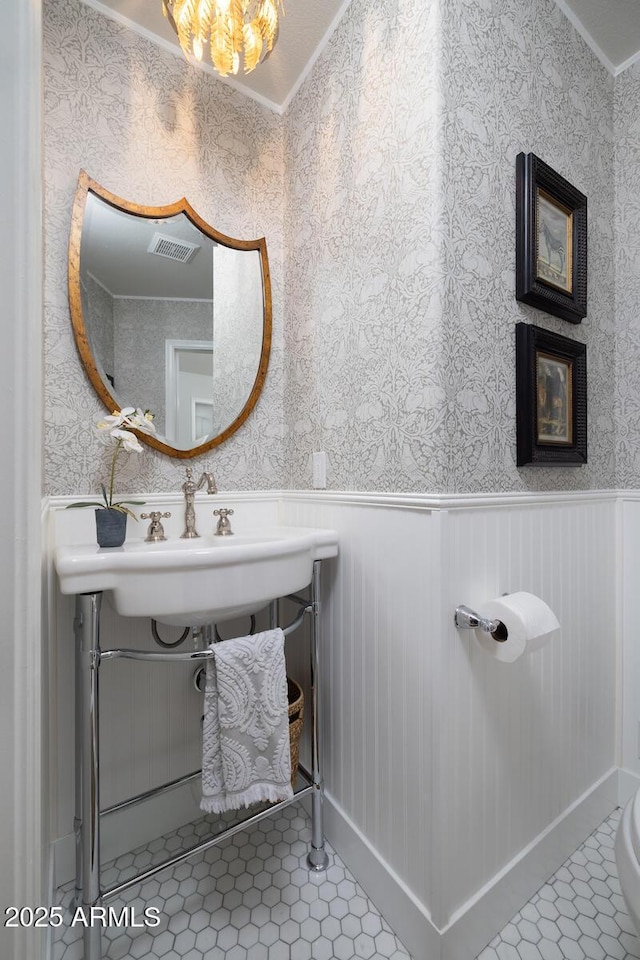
(227, 27)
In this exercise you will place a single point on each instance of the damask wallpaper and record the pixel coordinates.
(151, 129)
(365, 236)
(627, 234)
(522, 80)
(401, 236)
(386, 194)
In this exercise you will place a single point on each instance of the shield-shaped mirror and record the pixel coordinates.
(169, 315)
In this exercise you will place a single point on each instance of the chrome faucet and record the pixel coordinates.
(189, 488)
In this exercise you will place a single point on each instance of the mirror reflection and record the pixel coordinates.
(172, 317)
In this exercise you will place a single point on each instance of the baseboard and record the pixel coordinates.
(408, 918)
(482, 917)
(127, 829)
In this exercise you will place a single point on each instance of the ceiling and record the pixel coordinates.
(610, 27)
(115, 252)
(304, 30)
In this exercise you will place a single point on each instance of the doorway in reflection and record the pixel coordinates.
(189, 397)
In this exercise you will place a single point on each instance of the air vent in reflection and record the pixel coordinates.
(180, 250)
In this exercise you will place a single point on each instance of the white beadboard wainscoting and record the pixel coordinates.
(455, 783)
(521, 743)
(629, 532)
(466, 780)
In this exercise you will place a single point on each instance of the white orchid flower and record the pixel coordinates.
(129, 440)
(116, 425)
(116, 419)
(142, 420)
(108, 423)
(131, 417)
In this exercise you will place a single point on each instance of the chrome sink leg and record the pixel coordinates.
(273, 615)
(87, 820)
(317, 859)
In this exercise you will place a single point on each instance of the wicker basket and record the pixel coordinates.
(296, 714)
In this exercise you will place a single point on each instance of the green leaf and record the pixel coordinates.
(86, 503)
(122, 509)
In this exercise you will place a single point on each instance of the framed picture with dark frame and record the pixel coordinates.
(551, 241)
(551, 398)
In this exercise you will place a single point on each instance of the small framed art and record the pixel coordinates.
(551, 398)
(551, 240)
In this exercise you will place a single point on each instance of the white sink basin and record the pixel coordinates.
(192, 582)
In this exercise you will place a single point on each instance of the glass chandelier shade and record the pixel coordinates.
(228, 28)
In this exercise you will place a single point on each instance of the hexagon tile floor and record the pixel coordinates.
(252, 898)
(579, 914)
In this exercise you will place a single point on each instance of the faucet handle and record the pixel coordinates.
(223, 528)
(155, 533)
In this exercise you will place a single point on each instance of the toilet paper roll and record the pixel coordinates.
(529, 621)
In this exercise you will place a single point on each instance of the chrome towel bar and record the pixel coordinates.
(195, 656)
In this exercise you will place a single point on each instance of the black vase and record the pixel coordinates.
(111, 527)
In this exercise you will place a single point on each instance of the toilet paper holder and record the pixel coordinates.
(467, 619)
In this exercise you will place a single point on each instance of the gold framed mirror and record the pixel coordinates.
(168, 315)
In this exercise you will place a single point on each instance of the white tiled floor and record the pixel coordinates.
(578, 915)
(252, 898)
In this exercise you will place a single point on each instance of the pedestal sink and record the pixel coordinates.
(192, 582)
(186, 582)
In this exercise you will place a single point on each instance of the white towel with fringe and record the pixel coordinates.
(246, 756)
